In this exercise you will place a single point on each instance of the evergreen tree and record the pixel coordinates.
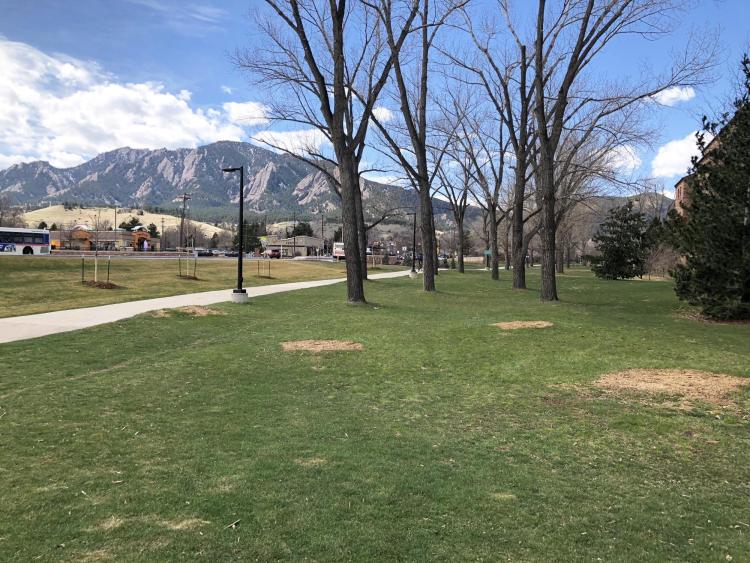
(713, 235)
(623, 243)
(302, 229)
(42, 225)
(153, 231)
(338, 235)
(131, 224)
(251, 241)
(53, 227)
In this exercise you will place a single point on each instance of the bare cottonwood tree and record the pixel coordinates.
(321, 52)
(569, 35)
(502, 70)
(10, 215)
(412, 73)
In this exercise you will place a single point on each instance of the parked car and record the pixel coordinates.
(232, 254)
(274, 253)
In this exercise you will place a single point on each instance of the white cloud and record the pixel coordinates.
(673, 158)
(248, 114)
(226, 89)
(67, 111)
(673, 96)
(383, 114)
(625, 159)
(300, 142)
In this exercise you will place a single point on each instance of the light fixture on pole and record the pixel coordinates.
(239, 295)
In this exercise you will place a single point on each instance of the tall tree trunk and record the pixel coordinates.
(350, 228)
(559, 259)
(519, 249)
(506, 248)
(435, 246)
(547, 232)
(361, 230)
(460, 224)
(495, 255)
(567, 254)
(428, 239)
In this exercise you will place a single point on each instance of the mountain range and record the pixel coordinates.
(141, 177)
(275, 184)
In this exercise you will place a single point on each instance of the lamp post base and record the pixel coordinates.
(413, 274)
(239, 296)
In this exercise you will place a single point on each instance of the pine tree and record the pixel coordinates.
(623, 243)
(713, 235)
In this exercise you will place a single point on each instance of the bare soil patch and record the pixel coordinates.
(188, 524)
(194, 310)
(311, 462)
(685, 383)
(515, 325)
(318, 346)
(111, 523)
(102, 285)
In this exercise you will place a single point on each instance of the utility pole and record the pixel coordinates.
(294, 234)
(161, 242)
(185, 197)
(322, 231)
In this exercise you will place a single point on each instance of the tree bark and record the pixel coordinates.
(350, 228)
(495, 255)
(519, 249)
(361, 230)
(428, 239)
(549, 282)
(460, 224)
(506, 248)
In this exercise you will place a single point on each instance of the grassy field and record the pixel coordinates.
(443, 439)
(40, 284)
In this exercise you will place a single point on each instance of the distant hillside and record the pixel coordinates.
(57, 214)
(137, 177)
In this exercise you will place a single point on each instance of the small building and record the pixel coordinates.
(83, 237)
(294, 246)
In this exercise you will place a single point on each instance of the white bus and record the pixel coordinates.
(23, 241)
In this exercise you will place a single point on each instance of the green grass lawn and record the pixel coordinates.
(31, 285)
(444, 439)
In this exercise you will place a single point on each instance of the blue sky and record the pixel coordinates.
(72, 72)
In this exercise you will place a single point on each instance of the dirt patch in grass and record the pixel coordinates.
(194, 310)
(690, 385)
(503, 496)
(187, 524)
(515, 325)
(103, 285)
(111, 523)
(318, 346)
(311, 462)
(98, 555)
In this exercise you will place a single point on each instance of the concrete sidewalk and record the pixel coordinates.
(43, 324)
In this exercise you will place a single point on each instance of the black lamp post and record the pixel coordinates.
(414, 243)
(240, 292)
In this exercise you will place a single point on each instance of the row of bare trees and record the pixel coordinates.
(515, 118)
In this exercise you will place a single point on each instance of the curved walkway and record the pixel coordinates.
(43, 324)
